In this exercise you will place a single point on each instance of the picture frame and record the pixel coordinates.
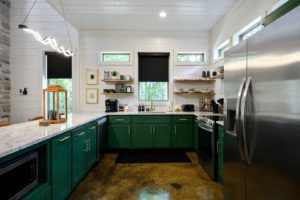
(92, 95)
(92, 76)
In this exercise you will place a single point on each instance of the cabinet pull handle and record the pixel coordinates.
(64, 139)
(93, 128)
(151, 130)
(80, 134)
(89, 144)
(175, 130)
(86, 146)
(154, 130)
(183, 119)
(119, 120)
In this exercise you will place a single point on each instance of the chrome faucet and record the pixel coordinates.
(152, 107)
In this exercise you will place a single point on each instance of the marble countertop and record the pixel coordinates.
(20, 136)
(220, 123)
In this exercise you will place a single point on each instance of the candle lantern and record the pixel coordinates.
(51, 110)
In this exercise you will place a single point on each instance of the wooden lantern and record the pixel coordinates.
(54, 115)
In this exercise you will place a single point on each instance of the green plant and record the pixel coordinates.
(114, 73)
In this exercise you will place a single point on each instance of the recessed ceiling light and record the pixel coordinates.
(162, 14)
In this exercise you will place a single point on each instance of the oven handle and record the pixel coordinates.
(206, 129)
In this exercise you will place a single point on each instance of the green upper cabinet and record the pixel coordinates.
(119, 136)
(91, 139)
(142, 136)
(78, 155)
(61, 166)
(183, 136)
(162, 136)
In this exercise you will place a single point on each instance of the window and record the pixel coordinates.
(59, 72)
(190, 58)
(220, 50)
(248, 31)
(153, 76)
(116, 58)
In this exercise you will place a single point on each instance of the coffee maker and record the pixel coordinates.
(111, 105)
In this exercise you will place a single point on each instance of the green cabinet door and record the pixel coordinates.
(142, 136)
(78, 155)
(91, 139)
(183, 136)
(61, 166)
(162, 136)
(220, 151)
(119, 136)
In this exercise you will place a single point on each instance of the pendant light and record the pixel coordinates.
(48, 40)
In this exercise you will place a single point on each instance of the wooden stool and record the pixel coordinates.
(4, 124)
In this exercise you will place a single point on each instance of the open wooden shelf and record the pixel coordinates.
(195, 93)
(117, 93)
(118, 81)
(194, 80)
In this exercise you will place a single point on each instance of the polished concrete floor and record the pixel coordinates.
(167, 181)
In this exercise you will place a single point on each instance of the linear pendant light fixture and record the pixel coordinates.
(48, 40)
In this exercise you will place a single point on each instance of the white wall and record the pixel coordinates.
(93, 42)
(26, 56)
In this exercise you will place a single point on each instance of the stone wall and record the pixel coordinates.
(4, 60)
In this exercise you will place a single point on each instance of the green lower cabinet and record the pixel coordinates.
(162, 136)
(91, 138)
(78, 155)
(61, 166)
(142, 136)
(119, 136)
(183, 136)
(41, 192)
(220, 150)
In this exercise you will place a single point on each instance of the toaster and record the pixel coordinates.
(188, 108)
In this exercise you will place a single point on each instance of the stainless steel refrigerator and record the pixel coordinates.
(262, 114)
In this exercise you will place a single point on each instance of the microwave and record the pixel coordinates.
(19, 176)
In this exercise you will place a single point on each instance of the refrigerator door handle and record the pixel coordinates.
(243, 119)
(237, 118)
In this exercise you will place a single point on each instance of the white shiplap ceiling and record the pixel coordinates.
(143, 15)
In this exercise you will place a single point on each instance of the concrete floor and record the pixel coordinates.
(167, 181)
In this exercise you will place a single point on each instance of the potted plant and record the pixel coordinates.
(114, 74)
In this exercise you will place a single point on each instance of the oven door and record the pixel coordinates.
(206, 149)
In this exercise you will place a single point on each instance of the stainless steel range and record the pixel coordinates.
(207, 140)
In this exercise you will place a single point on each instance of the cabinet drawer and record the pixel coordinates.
(151, 119)
(119, 119)
(78, 132)
(183, 119)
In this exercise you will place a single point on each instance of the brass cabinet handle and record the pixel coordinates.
(86, 146)
(93, 128)
(175, 130)
(119, 120)
(183, 119)
(64, 139)
(80, 134)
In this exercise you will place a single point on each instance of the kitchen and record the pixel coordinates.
(139, 87)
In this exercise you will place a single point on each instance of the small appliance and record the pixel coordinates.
(111, 105)
(188, 108)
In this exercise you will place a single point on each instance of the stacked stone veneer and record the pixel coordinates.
(4, 61)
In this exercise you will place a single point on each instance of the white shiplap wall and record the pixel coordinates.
(26, 56)
(93, 42)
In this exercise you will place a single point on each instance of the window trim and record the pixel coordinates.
(205, 62)
(121, 63)
(248, 28)
(217, 57)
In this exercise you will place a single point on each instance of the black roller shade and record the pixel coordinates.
(58, 65)
(154, 67)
